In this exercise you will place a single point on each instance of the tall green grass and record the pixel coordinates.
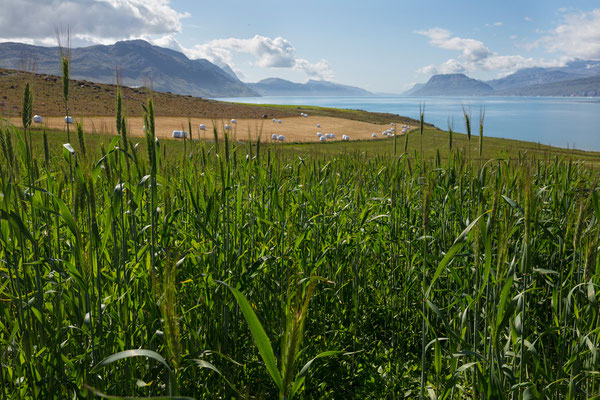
(150, 275)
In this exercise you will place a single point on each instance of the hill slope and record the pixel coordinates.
(97, 99)
(139, 64)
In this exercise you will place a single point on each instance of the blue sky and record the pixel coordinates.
(383, 46)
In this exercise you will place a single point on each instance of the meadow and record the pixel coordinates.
(403, 268)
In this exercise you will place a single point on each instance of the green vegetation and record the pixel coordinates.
(339, 270)
(351, 114)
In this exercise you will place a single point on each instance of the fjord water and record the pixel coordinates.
(557, 121)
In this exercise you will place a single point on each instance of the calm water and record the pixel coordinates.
(557, 121)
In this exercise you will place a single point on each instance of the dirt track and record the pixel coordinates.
(295, 129)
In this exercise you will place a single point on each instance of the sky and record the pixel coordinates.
(381, 46)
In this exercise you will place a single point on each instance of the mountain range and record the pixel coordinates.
(282, 87)
(576, 78)
(140, 63)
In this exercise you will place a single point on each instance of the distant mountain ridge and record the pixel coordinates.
(143, 64)
(139, 63)
(576, 78)
(282, 87)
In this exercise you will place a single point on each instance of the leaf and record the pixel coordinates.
(68, 218)
(503, 300)
(304, 371)
(260, 337)
(513, 204)
(206, 364)
(464, 233)
(456, 247)
(591, 293)
(466, 366)
(131, 353)
(438, 358)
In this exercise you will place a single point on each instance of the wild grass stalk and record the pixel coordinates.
(467, 115)
(454, 278)
(450, 133)
(481, 120)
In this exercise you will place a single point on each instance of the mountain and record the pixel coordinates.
(529, 76)
(580, 87)
(576, 78)
(413, 89)
(282, 87)
(139, 64)
(581, 68)
(453, 85)
(229, 71)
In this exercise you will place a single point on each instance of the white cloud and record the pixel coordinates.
(320, 69)
(472, 50)
(89, 21)
(267, 52)
(495, 24)
(528, 19)
(475, 56)
(578, 36)
(430, 69)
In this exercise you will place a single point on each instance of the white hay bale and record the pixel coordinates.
(374, 135)
(404, 130)
(347, 138)
(179, 134)
(328, 135)
(323, 139)
(281, 138)
(38, 119)
(202, 127)
(319, 134)
(274, 120)
(69, 120)
(274, 136)
(234, 121)
(318, 125)
(279, 121)
(227, 127)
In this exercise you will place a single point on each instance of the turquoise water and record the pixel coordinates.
(556, 121)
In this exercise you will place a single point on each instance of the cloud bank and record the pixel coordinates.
(474, 56)
(578, 36)
(267, 53)
(91, 21)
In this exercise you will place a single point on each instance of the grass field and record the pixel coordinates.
(222, 269)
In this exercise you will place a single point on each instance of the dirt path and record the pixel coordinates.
(295, 129)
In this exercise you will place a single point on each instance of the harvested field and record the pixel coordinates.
(295, 129)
